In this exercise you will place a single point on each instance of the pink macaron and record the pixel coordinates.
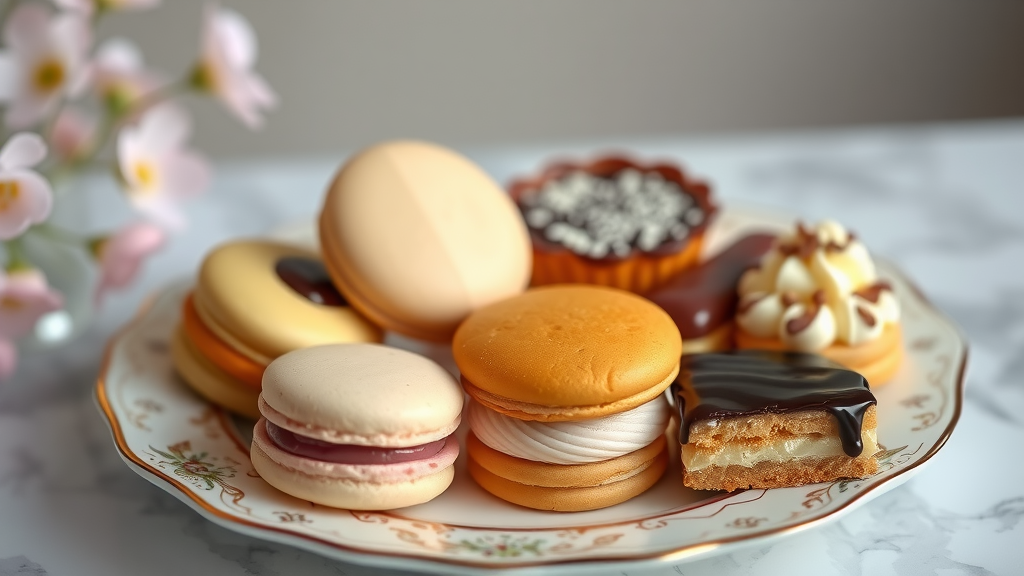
(357, 426)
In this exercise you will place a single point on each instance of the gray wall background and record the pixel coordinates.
(472, 72)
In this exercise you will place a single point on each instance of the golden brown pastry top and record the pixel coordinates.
(568, 345)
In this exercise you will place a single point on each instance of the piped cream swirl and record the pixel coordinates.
(816, 287)
(576, 442)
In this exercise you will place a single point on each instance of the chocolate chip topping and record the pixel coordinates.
(867, 316)
(751, 382)
(309, 278)
(873, 292)
(803, 321)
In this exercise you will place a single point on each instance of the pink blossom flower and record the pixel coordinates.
(24, 298)
(155, 166)
(88, 6)
(225, 65)
(8, 359)
(121, 255)
(48, 54)
(74, 134)
(118, 75)
(25, 196)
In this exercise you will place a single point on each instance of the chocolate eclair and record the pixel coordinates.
(702, 300)
(760, 419)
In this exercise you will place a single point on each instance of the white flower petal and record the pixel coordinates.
(164, 128)
(235, 37)
(185, 174)
(23, 150)
(27, 26)
(35, 199)
(119, 55)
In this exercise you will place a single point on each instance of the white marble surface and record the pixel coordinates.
(943, 202)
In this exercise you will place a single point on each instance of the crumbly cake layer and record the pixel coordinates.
(778, 475)
(761, 430)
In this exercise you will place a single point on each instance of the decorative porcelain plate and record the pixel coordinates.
(200, 454)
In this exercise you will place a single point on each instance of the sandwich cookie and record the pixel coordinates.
(417, 237)
(255, 300)
(567, 381)
(357, 426)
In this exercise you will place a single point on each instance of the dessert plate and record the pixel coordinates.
(199, 453)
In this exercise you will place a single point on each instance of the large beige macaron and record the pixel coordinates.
(357, 426)
(416, 236)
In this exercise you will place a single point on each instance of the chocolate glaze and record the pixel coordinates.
(752, 382)
(702, 298)
(309, 277)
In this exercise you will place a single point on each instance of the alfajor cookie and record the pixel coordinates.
(254, 300)
(357, 426)
(817, 291)
(416, 236)
(568, 412)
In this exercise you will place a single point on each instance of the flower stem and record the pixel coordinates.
(16, 257)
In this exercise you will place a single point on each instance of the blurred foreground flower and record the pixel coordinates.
(73, 135)
(82, 104)
(119, 77)
(25, 196)
(89, 6)
(225, 66)
(121, 255)
(157, 169)
(24, 298)
(48, 53)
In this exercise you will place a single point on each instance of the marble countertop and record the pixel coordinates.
(943, 202)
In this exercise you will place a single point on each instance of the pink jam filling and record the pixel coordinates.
(348, 453)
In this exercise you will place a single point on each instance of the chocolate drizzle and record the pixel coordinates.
(309, 278)
(873, 292)
(702, 298)
(806, 243)
(751, 382)
(804, 321)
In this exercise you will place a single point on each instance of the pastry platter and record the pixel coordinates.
(199, 453)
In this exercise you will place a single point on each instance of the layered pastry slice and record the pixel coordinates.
(757, 419)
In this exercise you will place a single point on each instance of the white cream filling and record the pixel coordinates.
(777, 452)
(577, 442)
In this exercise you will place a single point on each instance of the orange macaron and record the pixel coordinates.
(566, 382)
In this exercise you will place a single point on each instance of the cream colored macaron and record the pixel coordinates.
(416, 236)
(357, 426)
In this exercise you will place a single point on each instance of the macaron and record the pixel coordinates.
(567, 383)
(255, 300)
(357, 426)
(416, 236)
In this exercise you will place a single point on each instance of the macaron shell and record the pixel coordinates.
(364, 394)
(417, 237)
(242, 300)
(569, 345)
(209, 381)
(350, 494)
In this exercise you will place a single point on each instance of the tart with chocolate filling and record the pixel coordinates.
(613, 222)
